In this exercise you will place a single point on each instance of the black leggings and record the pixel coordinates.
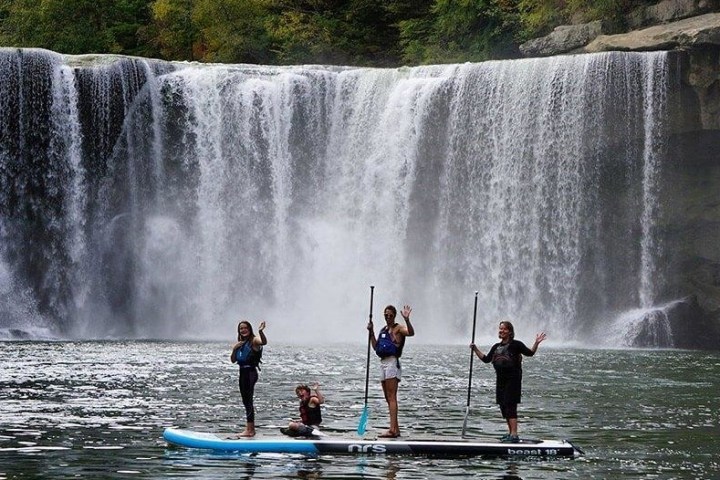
(248, 378)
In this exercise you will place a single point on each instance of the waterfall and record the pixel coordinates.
(144, 199)
(654, 145)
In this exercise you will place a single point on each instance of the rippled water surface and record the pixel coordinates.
(98, 409)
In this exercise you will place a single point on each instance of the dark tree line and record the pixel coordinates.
(348, 32)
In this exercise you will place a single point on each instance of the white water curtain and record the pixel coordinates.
(283, 193)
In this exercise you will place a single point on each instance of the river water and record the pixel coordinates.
(98, 410)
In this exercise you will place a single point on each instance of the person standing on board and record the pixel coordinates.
(246, 353)
(506, 357)
(388, 346)
(310, 414)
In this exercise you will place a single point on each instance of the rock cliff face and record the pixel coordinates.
(670, 24)
(690, 210)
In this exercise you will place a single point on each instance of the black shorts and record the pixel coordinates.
(508, 410)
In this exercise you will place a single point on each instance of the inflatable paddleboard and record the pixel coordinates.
(380, 446)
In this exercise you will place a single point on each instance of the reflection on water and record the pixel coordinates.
(98, 409)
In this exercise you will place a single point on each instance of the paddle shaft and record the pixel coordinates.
(367, 365)
(472, 353)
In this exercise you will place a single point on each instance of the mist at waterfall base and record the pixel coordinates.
(143, 199)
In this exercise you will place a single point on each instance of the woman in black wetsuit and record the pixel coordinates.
(506, 357)
(246, 353)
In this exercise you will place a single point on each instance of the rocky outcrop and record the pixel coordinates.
(680, 324)
(690, 32)
(666, 25)
(565, 38)
(669, 11)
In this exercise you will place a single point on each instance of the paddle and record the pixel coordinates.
(362, 425)
(472, 356)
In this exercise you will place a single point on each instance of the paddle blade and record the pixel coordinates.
(467, 411)
(362, 425)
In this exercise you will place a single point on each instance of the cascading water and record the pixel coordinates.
(147, 200)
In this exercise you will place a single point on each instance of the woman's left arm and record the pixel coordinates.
(260, 339)
(318, 395)
(539, 338)
(408, 330)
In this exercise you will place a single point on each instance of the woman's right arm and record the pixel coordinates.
(477, 351)
(485, 358)
(234, 351)
(371, 333)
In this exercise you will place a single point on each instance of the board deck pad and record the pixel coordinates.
(369, 446)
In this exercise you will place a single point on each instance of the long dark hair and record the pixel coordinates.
(510, 327)
(251, 335)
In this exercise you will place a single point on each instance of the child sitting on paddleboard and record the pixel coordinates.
(310, 414)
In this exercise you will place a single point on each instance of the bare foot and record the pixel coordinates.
(389, 434)
(247, 434)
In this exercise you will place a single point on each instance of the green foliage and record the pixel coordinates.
(305, 37)
(131, 21)
(359, 32)
(460, 30)
(539, 17)
(173, 28)
(413, 35)
(371, 34)
(75, 26)
(232, 31)
(20, 25)
(611, 11)
(331, 31)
